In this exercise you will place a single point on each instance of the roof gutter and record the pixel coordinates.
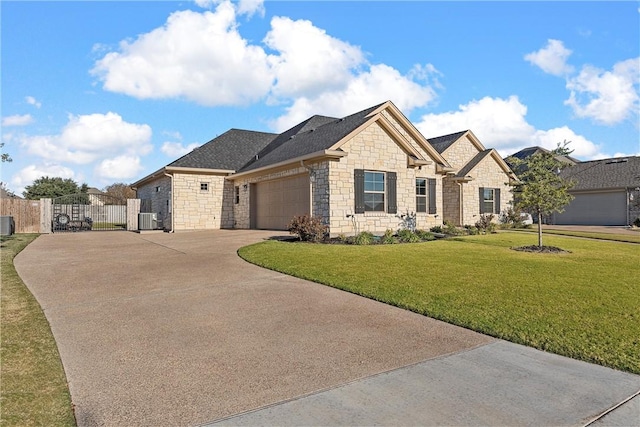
(318, 155)
(199, 170)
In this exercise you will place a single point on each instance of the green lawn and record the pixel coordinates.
(584, 304)
(630, 238)
(34, 387)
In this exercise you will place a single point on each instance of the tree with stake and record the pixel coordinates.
(542, 190)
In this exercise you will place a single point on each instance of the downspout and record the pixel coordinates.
(312, 178)
(171, 201)
(460, 202)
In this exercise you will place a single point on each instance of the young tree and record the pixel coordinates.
(542, 190)
(46, 187)
(120, 190)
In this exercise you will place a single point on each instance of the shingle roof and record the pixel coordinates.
(473, 163)
(604, 174)
(306, 138)
(229, 151)
(441, 143)
(529, 151)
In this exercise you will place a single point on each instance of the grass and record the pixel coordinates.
(582, 304)
(629, 238)
(34, 390)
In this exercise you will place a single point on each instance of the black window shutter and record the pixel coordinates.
(496, 198)
(481, 200)
(392, 204)
(432, 196)
(358, 177)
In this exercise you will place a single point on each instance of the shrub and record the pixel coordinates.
(637, 222)
(388, 238)
(511, 218)
(364, 238)
(308, 228)
(472, 230)
(436, 229)
(425, 235)
(485, 224)
(407, 236)
(451, 230)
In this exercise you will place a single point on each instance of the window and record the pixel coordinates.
(489, 200)
(204, 186)
(237, 189)
(157, 189)
(375, 191)
(421, 195)
(426, 195)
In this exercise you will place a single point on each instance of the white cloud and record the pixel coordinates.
(581, 146)
(245, 7)
(17, 120)
(203, 58)
(309, 61)
(118, 168)
(552, 58)
(501, 124)
(381, 83)
(32, 101)
(197, 56)
(176, 149)
(608, 97)
(88, 138)
(27, 175)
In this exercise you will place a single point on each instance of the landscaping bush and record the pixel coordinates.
(425, 235)
(308, 228)
(407, 236)
(364, 238)
(436, 229)
(485, 224)
(637, 222)
(388, 238)
(472, 230)
(451, 230)
(511, 218)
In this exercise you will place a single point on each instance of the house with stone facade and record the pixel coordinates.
(480, 182)
(366, 171)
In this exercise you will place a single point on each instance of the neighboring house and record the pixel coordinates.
(95, 196)
(366, 171)
(480, 182)
(606, 191)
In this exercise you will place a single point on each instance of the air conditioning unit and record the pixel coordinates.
(7, 226)
(147, 221)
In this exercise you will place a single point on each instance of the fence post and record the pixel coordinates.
(133, 209)
(45, 216)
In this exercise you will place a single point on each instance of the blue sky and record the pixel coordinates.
(105, 92)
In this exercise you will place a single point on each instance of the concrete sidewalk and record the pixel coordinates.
(176, 330)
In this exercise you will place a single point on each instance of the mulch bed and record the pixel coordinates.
(541, 249)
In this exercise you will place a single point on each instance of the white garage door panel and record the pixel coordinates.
(277, 202)
(595, 209)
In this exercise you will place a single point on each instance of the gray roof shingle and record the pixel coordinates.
(229, 151)
(473, 163)
(315, 134)
(604, 174)
(441, 143)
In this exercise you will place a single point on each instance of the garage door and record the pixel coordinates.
(275, 203)
(595, 209)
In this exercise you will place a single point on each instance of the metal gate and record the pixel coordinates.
(88, 212)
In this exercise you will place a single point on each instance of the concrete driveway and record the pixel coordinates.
(177, 330)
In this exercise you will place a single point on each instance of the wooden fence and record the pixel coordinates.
(25, 213)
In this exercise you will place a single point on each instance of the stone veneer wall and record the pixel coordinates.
(486, 174)
(158, 192)
(195, 209)
(374, 149)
